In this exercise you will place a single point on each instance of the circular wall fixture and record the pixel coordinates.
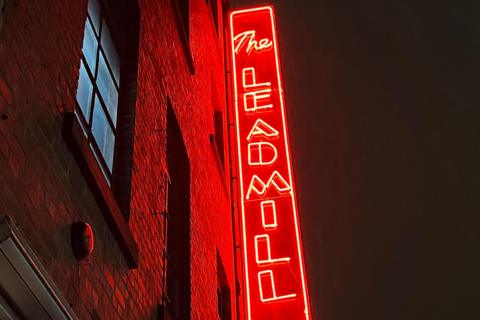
(82, 240)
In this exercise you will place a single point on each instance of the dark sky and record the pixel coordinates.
(383, 100)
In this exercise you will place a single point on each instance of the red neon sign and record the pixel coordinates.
(275, 281)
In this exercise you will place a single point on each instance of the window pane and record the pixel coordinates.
(90, 46)
(94, 13)
(102, 132)
(110, 52)
(84, 92)
(107, 89)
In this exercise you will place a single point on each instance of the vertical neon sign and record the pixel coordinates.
(275, 281)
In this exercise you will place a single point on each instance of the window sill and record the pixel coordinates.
(73, 133)
(220, 164)
(188, 54)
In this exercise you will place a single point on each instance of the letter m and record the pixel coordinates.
(260, 188)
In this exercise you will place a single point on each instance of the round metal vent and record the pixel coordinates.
(82, 240)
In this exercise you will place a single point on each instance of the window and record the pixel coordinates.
(98, 88)
(100, 131)
(182, 10)
(218, 119)
(178, 223)
(218, 134)
(106, 92)
(2, 10)
(214, 8)
(183, 7)
(223, 292)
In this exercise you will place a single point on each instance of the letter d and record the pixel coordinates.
(261, 153)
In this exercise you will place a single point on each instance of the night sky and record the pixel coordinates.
(383, 100)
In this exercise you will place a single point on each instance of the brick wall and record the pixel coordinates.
(42, 187)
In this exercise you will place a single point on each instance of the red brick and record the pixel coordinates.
(40, 47)
(5, 92)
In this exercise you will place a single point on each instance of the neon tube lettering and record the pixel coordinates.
(261, 128)
(273, 265)
(269, 214)
(252, 101)
(260, 188)
(263, 251)
(248, 37)
(262, 275)
(257, 153)
(261, 94)
(249, 79)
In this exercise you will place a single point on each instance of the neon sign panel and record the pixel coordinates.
(275, 280)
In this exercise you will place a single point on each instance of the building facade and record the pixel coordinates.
(113, 113)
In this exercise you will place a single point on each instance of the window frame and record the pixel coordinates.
(183, 26)
(178, 233)
(219, 139)
(87, 124)
(214, 10)
(224, 293)
(2, 11)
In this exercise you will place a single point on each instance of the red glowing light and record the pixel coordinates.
(249, 37)
(275, 282)
(262, 128)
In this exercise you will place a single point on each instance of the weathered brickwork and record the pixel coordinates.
(42, 187)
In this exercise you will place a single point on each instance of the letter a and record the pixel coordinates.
(261, 128)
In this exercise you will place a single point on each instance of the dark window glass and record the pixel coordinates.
(184, 11)
(219, 135)
(2, 10)
(223, 292)
(214, 8)
(178, 219)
